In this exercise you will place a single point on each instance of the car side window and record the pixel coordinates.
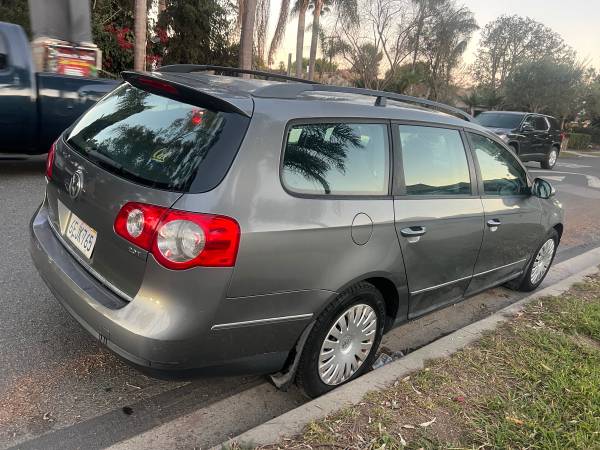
(337, 159)
(501, 173)
(3, 54)
(528, 122)
(540, 123)
(434, 161)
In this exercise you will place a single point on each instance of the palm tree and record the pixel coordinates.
(247, 11)
(347, 11)
(279, 30)
(300, 8)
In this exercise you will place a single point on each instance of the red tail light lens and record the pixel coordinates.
(50, 161)
(137, 223)
(180, 239)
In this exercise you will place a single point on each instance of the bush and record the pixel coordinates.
(579, 141)
(593, 131)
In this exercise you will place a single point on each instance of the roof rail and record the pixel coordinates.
(292, 90)
(188, 68)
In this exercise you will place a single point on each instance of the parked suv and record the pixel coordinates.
(196, 221)
(533, 137)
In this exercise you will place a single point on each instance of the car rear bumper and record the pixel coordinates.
(169, 323)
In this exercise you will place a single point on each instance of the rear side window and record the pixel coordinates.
(553, 123)
(337, 159)
(3, 53)
(434, 161)
(540, 123)
(157, 141)
(500, 171)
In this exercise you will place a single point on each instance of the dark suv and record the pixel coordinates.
(533, 137)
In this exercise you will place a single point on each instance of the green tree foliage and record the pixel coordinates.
(197, 32)
(510, 41)
(112, 31)
(546, 86)
(446, 35)
(15, 11)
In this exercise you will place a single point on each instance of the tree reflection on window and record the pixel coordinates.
(337, 158)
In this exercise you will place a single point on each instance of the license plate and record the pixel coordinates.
(81, 235)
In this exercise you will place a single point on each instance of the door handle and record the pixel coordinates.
(413, 231)
(493, 224)
(413, 234)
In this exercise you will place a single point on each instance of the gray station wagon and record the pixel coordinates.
(206, 222)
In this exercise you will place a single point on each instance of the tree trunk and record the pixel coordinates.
(247, 34)
(300, 38)
(315, 38)
(139, 55)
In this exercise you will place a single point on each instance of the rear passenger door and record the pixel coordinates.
(439, 220)
(512, 215)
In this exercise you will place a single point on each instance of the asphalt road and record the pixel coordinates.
(60, 389)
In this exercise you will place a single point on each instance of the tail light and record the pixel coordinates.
(180, 239)
(50, 161)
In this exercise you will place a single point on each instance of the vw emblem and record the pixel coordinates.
(76, 184)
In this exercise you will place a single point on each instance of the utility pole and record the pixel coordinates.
(141, 16)
(289, 65)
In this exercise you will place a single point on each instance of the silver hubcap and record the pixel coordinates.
(542, 261)
(552, 158)
(347, 344)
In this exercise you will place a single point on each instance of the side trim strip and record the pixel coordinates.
(247, 323)
(439, 285)
(498, 268)
(466, 278)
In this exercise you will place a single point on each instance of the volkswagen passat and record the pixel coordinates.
(197, 221)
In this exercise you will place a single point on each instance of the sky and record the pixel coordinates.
(577, 21)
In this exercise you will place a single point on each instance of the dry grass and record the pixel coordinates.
(533, 383)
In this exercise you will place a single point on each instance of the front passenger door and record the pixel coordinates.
(439, 221)
(512, 215)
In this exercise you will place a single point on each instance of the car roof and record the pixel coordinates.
(246, 93)
(522, 113)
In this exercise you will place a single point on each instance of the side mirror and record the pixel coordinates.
(542, 188)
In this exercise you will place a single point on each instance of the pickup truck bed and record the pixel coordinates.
(36, 107)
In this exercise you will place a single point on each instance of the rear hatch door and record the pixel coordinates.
(135, 145)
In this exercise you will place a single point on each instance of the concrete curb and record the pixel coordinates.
(562, 277)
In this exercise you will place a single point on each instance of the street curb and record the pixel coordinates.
(291, 423)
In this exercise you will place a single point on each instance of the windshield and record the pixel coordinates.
(499, 120)
(154, 140)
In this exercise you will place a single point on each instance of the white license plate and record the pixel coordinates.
(81, 235)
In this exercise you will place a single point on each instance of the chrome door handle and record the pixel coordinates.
(413, 234)
(493, 224)
(413, 231)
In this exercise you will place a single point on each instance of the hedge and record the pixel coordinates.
(593, 131)
(579, 141)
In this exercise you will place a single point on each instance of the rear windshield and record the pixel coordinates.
(157, 141)
(499, 120)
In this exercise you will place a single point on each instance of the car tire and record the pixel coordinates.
(535, 274)
(316, 366)
(550, 160)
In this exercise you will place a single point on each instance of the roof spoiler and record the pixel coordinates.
(156, 83)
